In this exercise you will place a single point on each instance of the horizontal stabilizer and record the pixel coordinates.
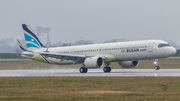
(21, 47)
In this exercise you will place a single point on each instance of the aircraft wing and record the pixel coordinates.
(73, 57)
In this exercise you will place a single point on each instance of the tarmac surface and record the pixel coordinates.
(91, 72)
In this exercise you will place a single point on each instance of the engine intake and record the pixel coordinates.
(129, 64)
(93, 62)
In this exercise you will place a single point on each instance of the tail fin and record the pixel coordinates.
(32, 42)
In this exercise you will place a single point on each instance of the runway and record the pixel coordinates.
(91, 72)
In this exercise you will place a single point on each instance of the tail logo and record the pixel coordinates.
(32, 42)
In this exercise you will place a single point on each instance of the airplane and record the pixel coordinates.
(93, 56)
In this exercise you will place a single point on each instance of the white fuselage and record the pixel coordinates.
(120, 51)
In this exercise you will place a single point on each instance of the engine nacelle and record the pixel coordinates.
(93, 62)
(129, 64)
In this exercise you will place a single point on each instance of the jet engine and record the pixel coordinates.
(129, 64)
(93, 62)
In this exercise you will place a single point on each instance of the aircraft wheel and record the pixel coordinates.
(83, 70)
(107, 69)
(156, 67)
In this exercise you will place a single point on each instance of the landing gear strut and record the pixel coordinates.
(83, 70)
(107, 68)
(156, 66)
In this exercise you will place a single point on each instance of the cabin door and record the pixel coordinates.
(72, 51)
(150, 46)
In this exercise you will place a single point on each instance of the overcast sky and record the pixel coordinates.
(95, 20)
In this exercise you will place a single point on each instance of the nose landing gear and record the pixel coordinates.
(156, 66)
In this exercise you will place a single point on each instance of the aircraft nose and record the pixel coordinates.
(173, 51)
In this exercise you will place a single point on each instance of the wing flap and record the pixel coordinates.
(63, 57)
(48, 54)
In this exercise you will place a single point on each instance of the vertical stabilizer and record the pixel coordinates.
(32, 42)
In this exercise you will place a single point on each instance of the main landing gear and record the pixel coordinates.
(83, 70)
(107, 68)
(156, 66)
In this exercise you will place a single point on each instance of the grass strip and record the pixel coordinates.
(89, 88)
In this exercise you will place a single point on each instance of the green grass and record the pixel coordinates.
(177, 53)
(10, 56)
(89, 88)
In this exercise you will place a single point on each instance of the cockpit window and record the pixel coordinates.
(163, 45)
